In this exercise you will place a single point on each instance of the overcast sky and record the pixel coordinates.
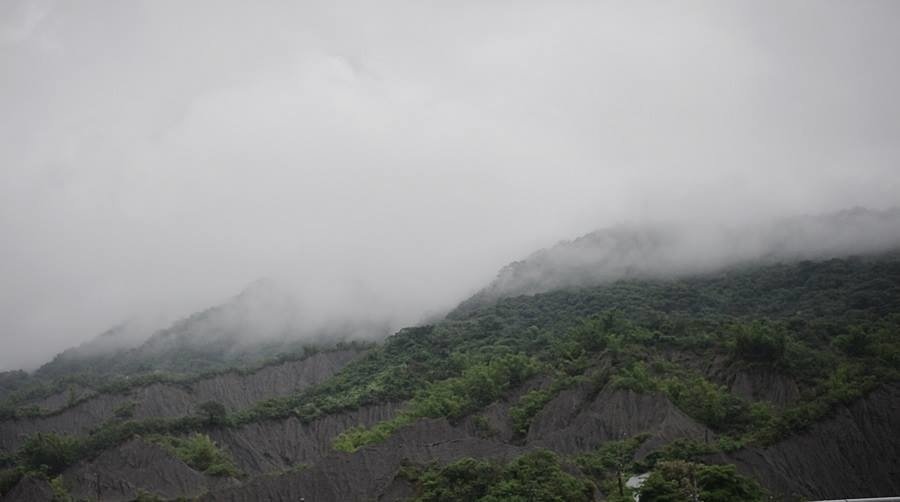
(157, 156)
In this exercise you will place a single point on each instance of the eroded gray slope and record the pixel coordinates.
(137, 466)
(370, 472)
(238, 391)
(59, 400)
(576, 421)
(233, 389)
(273, 445)
(30, 489)
(572, 423)
(855, 453)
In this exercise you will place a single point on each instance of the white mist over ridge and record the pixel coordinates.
(677, 249)
(264, 320)
(284, 311)
(384, 159)
(267, 310)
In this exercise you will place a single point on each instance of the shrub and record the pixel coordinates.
(539, 476)
(213, 412)
(453, 398)
(528, 406)
(483, 426)
(200, 452)
(856, 343)
(609, 463)
(721, 483)
(60, 493)
(712, 404)
(48, 452)
(145, 496)
(676, 481)
(533, 476)
(759, 342)
(680, 449)
(634, 377)
(125, 410)
(8, 479)
(464, 480)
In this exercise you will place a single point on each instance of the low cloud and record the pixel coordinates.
(678, 249)
(385, 159)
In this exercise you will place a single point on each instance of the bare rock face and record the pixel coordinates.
(855, 452)
(574, 422)
(79, 419)
(137, 466)
(370, 473)
(571, 423)
(30, 488)
(159, 400)
(764, 384)
(237, 391)
(494, 420)
(62, 399)
(276, 445)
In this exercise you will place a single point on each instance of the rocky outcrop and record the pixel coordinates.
(233, 389)
(121, 473)
(855, 453)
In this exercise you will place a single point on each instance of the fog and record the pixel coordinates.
(385, 159)
(676, 249)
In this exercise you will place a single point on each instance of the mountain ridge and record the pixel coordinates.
(728, 374)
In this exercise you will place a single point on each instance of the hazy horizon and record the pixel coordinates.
(386, 160)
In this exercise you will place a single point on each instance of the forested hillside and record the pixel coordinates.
(728, 385)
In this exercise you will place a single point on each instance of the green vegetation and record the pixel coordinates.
(8, 479)
(200, 452)
(831, 327)
(213, 413)
(680, 481)
(60, 493)
(532, 402)
(125, 410)
(452, 398)
(20, 389)
(542, 476)
(759, 342)
(527, 407)
(144, 496)
(535, 476)
(48, 453)
(675, 473)
(610, 463)
(43, 455)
